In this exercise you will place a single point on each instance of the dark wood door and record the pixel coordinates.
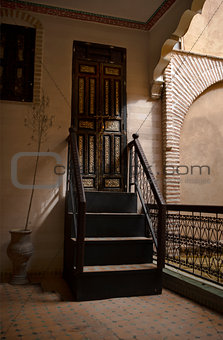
(99, 114)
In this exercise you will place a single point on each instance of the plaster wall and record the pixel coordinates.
(205, 35)
(202, 133)
(191, 70)
(47, 214)
(201, 144)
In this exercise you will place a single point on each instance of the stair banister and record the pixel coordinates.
(77, 184)
(139, 155)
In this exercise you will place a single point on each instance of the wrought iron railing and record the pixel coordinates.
(77, 200)
(142, 181)
(194, 239)
(187, 237)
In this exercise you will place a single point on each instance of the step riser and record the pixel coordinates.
(118, 284)
(108, 202)
(115, 225)
(109, 226)
(116, 253)
(111, 202)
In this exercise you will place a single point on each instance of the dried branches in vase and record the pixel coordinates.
(39, 122)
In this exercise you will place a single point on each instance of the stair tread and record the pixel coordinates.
(115, 213)
(140, 238)
(124, 267)
(111, 213)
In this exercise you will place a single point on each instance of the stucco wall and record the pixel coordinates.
(202, 133)
(190, 72)
(47, 215)
(205, 34)
(201, 144)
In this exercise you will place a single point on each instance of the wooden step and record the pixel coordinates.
(116, 250)
(117, 255)
(115, 224)
(104, 201)
(123, 267)
(98, 283)
(114, 239)
(109, 224)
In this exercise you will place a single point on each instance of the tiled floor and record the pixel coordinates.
(29, 313)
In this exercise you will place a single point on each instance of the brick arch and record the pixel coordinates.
(186, 77)
(12, 17)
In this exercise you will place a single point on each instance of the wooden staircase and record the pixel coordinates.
(118, 251)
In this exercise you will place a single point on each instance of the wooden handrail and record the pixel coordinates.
(213, 209)
(76, 163)
(81, 210)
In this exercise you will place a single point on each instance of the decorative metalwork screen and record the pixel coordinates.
(142, 180)
(194, 240)
(139, 178)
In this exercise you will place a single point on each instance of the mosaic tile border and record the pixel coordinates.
(86, 16)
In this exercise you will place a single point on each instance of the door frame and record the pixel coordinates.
(109, 58)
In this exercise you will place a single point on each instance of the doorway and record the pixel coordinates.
(99, 114)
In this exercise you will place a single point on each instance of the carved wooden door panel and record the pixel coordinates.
(99, 115)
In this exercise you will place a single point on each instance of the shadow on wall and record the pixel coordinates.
(48, 238)
(201, 145)
(46, 218)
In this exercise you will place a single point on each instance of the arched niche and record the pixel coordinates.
(179, 78)
(201, 152)
(186, 77)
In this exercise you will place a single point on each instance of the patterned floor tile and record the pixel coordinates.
(29, 313)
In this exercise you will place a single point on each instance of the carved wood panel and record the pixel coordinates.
(99, 115)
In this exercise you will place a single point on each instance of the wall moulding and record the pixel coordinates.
(87, 16)
(170, 44)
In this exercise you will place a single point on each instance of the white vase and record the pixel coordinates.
(19, 251)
